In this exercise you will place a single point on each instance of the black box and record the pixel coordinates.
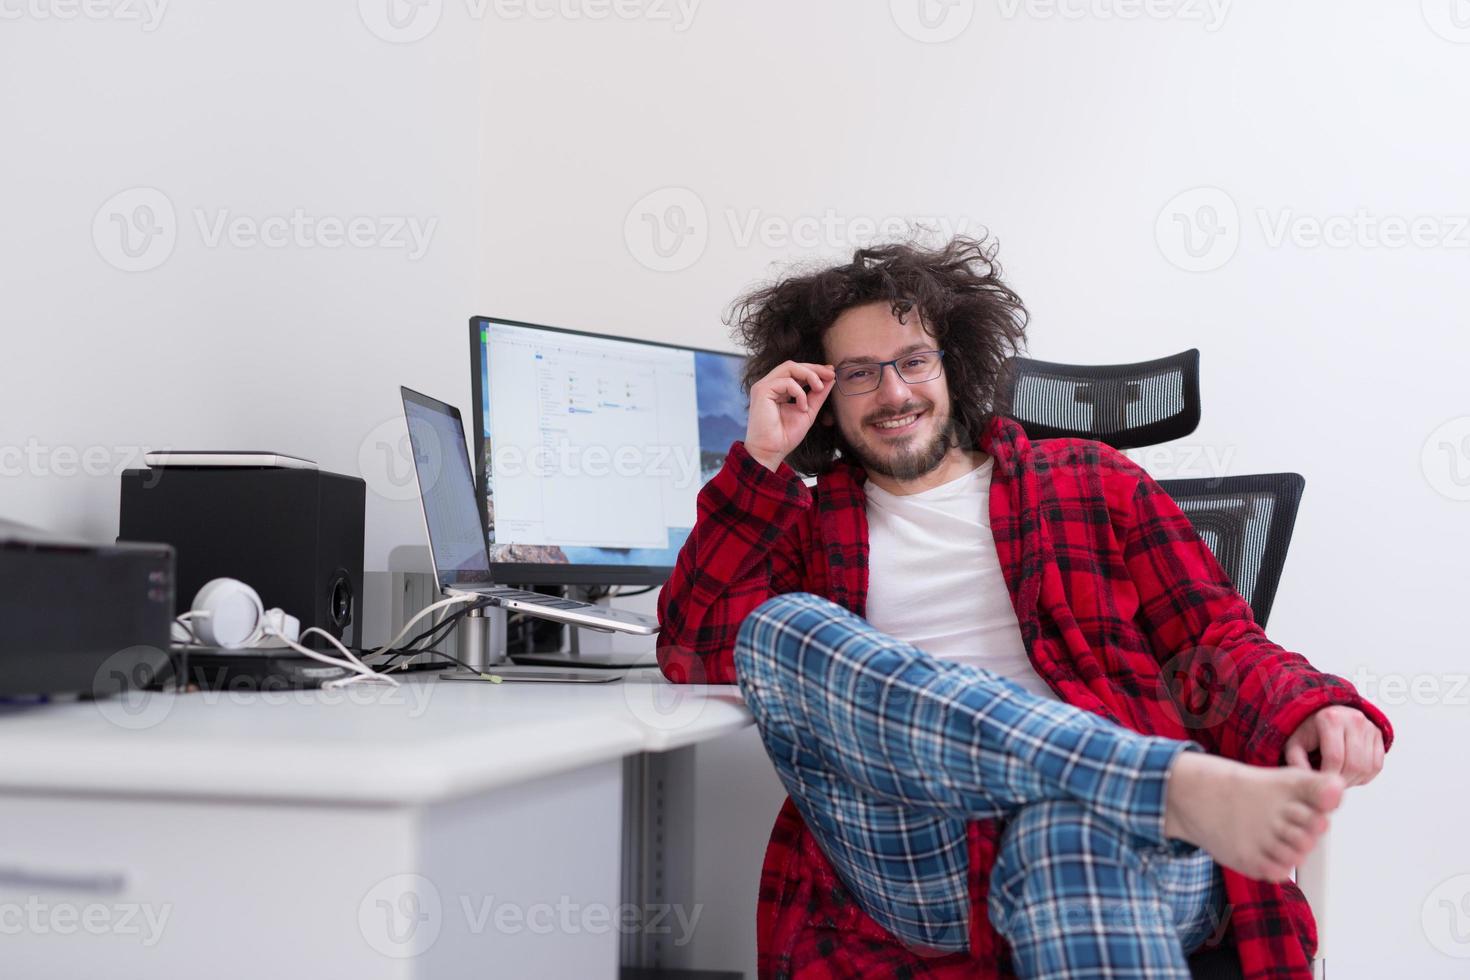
(293, 535)
(82, 618)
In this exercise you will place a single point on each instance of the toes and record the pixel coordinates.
(1291, 851)
(1298, 814)
(1292, 842)
(1289, 827)
(1327, 792)
(1321, 792)
(1298, 840)
(1282, 856)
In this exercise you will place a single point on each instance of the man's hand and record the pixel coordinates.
(782, 411)
(1349, 743)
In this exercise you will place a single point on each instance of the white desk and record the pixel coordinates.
(441, 829)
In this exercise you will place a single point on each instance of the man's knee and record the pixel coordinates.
(764, 652)
(764, 638)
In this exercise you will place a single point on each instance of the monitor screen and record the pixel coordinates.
(591, 450)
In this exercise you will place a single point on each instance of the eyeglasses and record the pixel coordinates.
(914, 368)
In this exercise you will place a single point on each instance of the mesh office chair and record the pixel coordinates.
(1123, 405)
(1246, 521)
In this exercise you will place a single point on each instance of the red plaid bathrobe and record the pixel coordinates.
(1124, 610)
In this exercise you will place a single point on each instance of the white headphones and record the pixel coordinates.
(228, 613)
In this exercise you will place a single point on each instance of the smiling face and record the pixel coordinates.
(919, 444)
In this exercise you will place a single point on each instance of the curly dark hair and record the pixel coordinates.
(957, 291)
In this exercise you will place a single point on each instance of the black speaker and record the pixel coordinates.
(293, 535)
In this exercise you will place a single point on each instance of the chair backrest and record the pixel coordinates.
(1247, 522)
(1123, 405)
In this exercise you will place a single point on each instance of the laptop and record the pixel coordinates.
(458, 547)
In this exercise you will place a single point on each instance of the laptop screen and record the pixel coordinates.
(442, 464)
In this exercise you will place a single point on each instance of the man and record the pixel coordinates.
(955, 651)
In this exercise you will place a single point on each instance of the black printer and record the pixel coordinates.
(77, 617)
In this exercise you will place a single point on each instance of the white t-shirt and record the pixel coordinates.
(934, 577)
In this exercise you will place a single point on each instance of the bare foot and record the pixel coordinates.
(1257, 821)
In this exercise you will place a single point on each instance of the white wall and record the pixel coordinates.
(234, 112)
(535, 141)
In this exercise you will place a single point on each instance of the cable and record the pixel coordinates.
(406, 666)
(614, 592)
(443, 628)
(360, 671)
(441, 604)
(360, 668)
(191, 638)
(622, 595)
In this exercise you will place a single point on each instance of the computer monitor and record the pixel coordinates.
(590, 450)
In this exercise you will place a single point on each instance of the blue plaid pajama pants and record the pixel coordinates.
(889, 752)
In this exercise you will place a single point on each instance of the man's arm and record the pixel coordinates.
(1255, 694)
(748, 544)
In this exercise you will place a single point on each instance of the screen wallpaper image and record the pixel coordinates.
(721, 410)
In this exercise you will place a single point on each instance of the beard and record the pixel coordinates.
(907, 461)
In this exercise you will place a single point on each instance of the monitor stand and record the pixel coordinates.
(482, 638)
(482, 644)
